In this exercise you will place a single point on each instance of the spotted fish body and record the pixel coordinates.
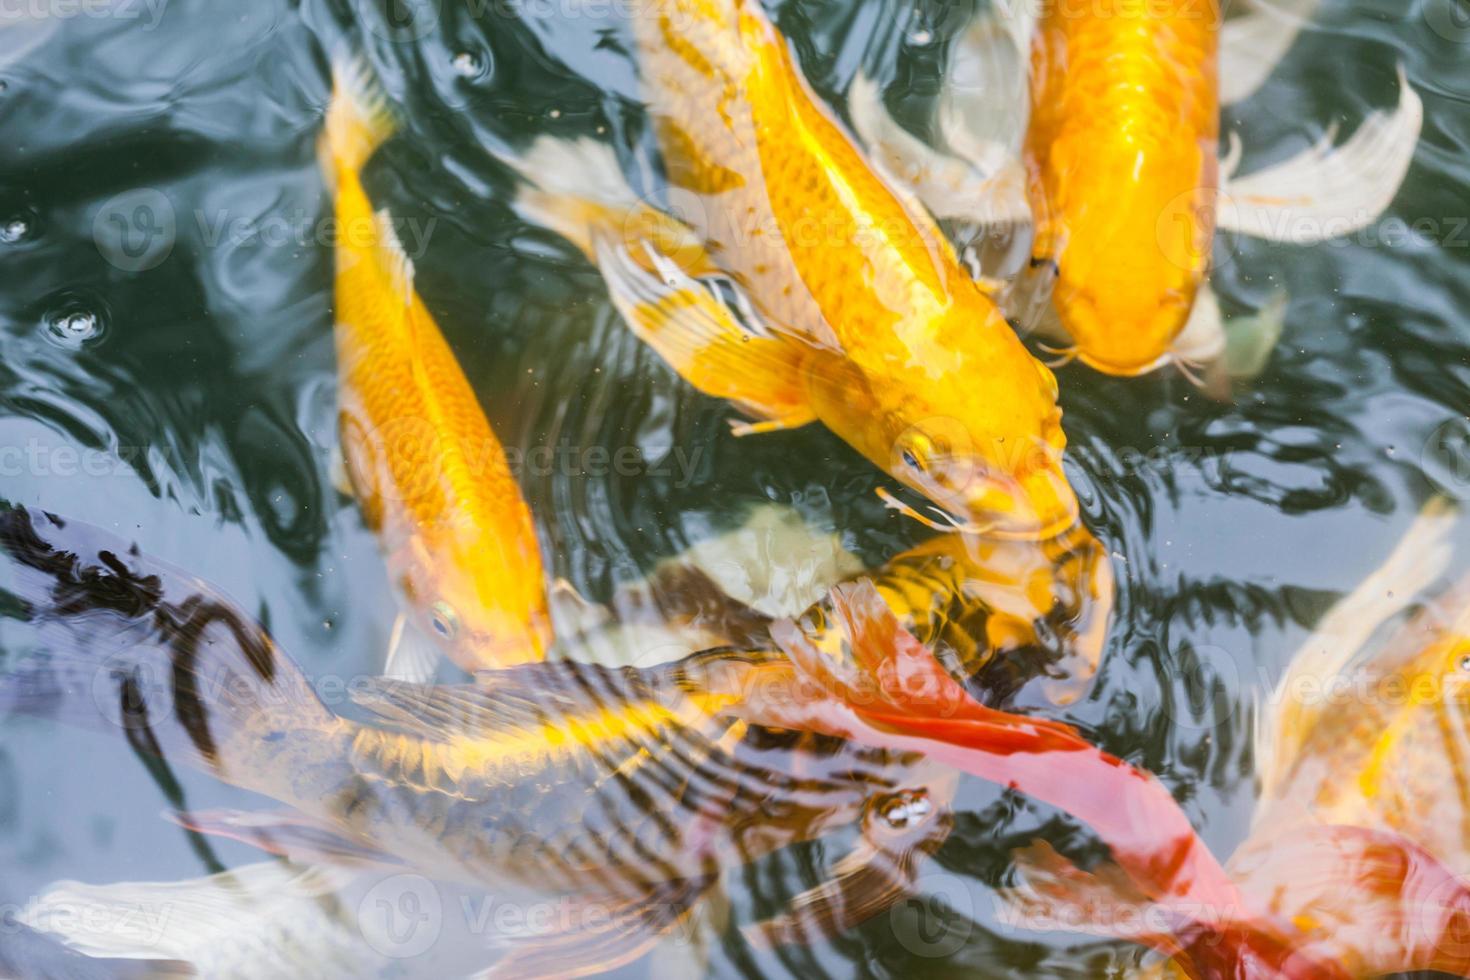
(1122, 157)
(425, 465)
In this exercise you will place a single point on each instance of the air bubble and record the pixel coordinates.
(467, 64)
(74, 326)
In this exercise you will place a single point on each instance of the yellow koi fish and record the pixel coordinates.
(800, 285)
(424, 464)
(1117, 129)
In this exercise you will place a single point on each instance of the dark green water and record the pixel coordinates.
(168, 373)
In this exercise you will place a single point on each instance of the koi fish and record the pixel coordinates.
(889, 691)
(1358, 837)
(998, 612)
(426, 468)
(620, 789)
(797, 283)
(1124, 184)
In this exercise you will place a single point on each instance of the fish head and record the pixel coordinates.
(1129, 268)
(1123, 328)
(981, 439)
(472, 611)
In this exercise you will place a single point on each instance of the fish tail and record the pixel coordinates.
(111, 640)
(359, 117)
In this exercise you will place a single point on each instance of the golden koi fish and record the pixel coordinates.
(622, 788)
(1124, 185)
(425, 466)
(800, 285)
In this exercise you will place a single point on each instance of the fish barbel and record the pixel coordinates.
(427, 470)
(800, 285)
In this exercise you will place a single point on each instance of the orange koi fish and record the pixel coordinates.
(1124, 185)
(424, 464)
(800, 285)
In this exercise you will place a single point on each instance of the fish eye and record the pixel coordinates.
(1463, 664)
(444, 621)
(910, 460)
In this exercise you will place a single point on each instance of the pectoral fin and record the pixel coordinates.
(692, 327)
(412, 656)
(1249, 340)
(1327, 192)
(287, 834)
(1252, 45)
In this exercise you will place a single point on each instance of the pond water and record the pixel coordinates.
(168, 373)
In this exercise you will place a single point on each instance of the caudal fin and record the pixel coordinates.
(359, 118)
(109, 639)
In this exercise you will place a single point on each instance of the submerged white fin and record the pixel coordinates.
(1202, 341)
(983, 106)
(1421, 556)
(249, 921)
(1326, 192)
(1252, 45)
(1249, 340)
(412, 656)
(986, 188)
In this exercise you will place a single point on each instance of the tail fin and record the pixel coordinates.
(359, 118)
(129, 644)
